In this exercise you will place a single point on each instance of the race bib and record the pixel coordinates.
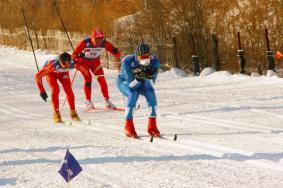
(62, 70)
(93, 53)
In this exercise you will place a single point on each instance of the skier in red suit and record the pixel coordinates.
(88, 52)
(58, 69)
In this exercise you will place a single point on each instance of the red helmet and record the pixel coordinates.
(97, 33)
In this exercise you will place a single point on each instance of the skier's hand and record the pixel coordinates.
(149, 71)
(81, 55)
(44, 96)
(139, 75)
(140, 78)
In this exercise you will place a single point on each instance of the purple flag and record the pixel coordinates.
(70, 167)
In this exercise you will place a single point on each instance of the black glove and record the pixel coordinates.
(149, 71)
(81, 55)
(44, 96)
(139, 75)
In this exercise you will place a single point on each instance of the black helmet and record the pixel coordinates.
(142, 49)
(65, 57)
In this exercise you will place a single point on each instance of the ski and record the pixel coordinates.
(69, 123)
(96, 109)
(162, 137)
(152, 138)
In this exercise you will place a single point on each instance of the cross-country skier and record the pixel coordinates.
(138, 74)
(58, 69)
(88, 51)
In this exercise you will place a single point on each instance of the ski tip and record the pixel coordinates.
(175, 137)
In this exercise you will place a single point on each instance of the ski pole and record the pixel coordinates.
(23, 11)
(63, 25)
(72, 81)
(118, 65)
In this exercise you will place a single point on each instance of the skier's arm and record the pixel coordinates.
(79, 49)
(38, 77)
(130, 78)
(157, 66)
(113, 50)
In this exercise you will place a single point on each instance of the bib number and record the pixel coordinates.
(93, 53)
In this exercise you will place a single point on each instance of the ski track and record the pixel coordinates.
(33, 146)
(18, 112)
(222, 123)
(190, 145)
(274, 115)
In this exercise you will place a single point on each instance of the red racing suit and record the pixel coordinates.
(53, 72)
(91, 61)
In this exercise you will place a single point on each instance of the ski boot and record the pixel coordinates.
(57, 117)
(152, 129)
(130, 129)
(74, 115)
(109, 104)
(89, 105)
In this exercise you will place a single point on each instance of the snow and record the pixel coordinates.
(207, 71)
(229, 127)
(174, 73)
(271, 73)
(255, 74)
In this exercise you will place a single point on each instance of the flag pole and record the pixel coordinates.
(68, 172)
(68, 180)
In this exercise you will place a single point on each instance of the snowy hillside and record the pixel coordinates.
(230, 132)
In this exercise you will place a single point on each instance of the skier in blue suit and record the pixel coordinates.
(137, 77)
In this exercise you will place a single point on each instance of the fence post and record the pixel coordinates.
(269, 54)
(216, 57)
(241, 58)
(175, 52)
(195, 62)
(195, 59)
(259, 70)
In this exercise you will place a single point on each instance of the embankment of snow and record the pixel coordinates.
(207, 71)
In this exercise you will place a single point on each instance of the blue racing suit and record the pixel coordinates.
(132, 88)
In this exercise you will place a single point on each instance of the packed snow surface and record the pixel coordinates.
(229, 127)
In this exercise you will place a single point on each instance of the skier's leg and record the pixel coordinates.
(148, 92)
(151, 100)
(87, 84)
(122, 86)
(131, 103)
(129, 124)
(52, 81)
(66, 83)
(99, 73)
(55, 90)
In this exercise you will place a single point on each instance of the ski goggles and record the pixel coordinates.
(143, 56)
(65, 62)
